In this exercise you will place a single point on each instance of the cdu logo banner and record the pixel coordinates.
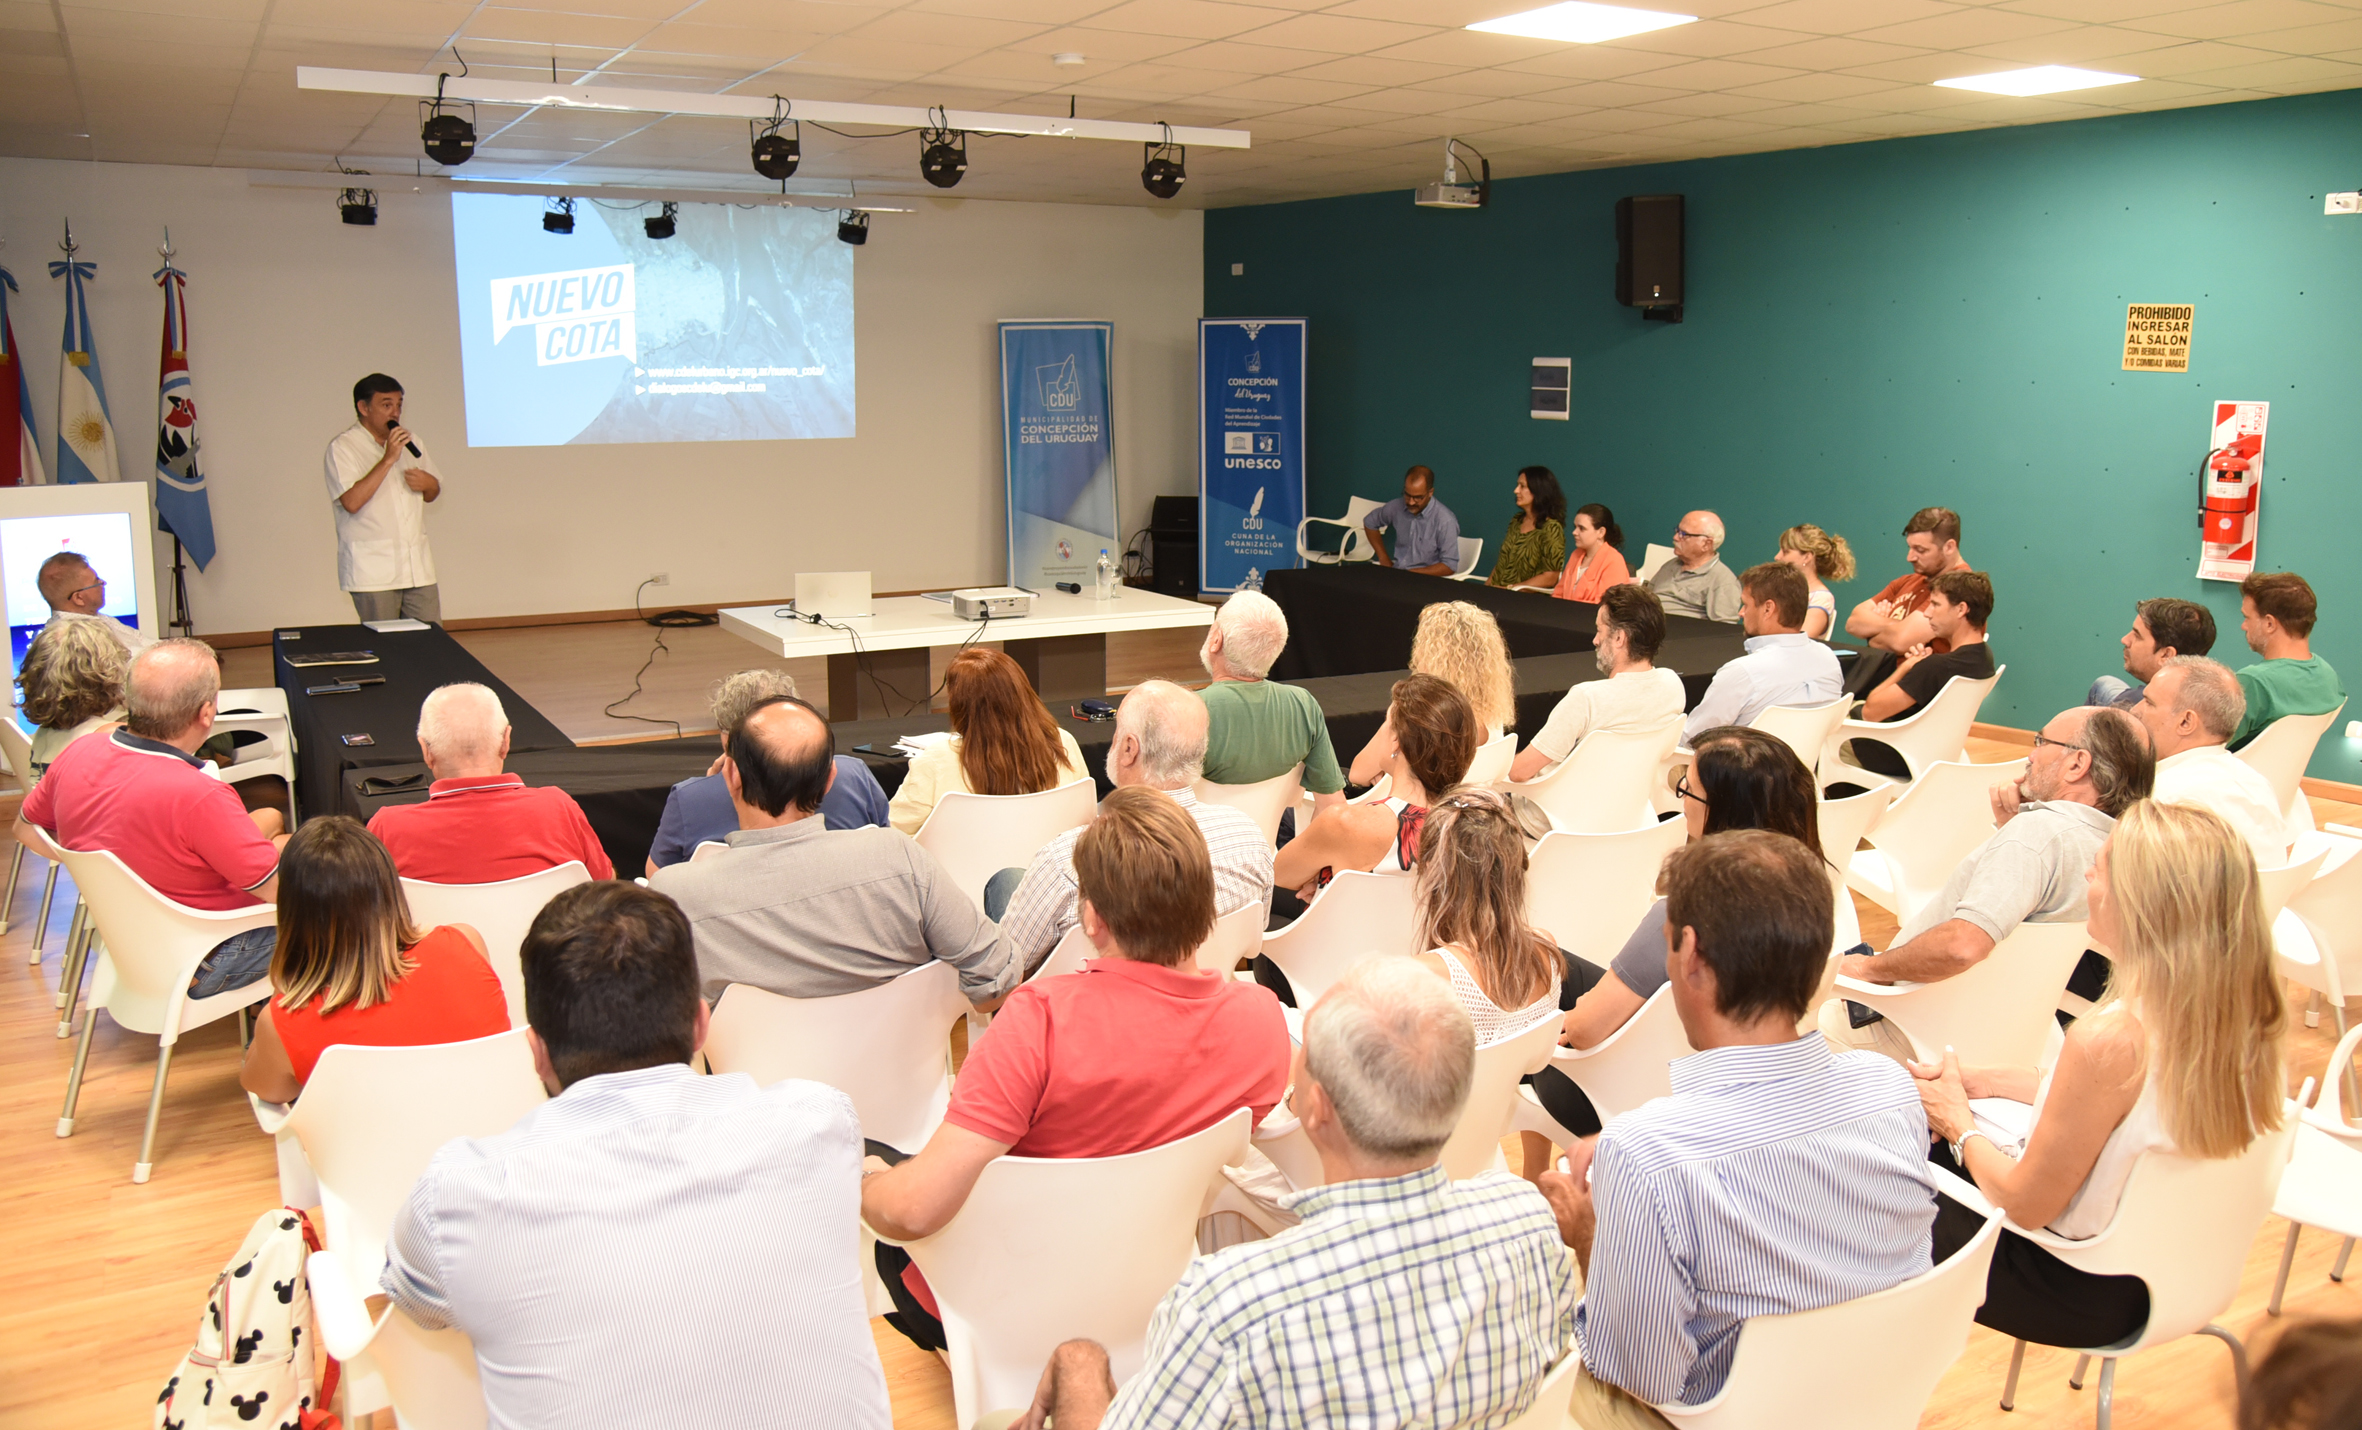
(1057, 435)
(1250, 448)
(1061, 386)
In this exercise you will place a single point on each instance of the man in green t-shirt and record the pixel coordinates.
(2276, 611)
(1256, 729)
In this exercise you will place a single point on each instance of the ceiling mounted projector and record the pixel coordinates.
(1452, 193)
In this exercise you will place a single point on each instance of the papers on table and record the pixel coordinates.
(381, 627)
(912, 746)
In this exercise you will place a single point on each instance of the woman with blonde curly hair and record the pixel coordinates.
(1822, 557)
(1462, 645)
(73, 684)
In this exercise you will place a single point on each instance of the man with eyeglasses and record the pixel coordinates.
(76, 592)
(1695, 583)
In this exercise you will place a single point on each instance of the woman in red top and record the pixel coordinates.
(349, 968)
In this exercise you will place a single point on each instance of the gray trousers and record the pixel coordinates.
(416, 603)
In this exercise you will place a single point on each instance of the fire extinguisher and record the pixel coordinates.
(2223, 504)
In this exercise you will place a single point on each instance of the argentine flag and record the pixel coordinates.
(85, 433)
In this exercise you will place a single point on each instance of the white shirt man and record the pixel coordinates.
(1782, 666)
(76, 592)
(2190, 707)
(1635, 698)
(380, 492)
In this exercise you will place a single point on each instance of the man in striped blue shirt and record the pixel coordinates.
(1779, 1176)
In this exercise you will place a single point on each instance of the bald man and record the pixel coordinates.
(1160, 743)
(1426, 534)
(478, 824)
(1695, 583)
(811, 912)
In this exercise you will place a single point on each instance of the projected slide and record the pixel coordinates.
(738, 328)
(27, 541)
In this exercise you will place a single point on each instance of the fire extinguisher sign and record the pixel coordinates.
(2230, 484)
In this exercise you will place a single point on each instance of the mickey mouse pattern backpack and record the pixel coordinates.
(252, 1363)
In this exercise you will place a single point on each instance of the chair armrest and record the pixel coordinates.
(345, 1324)
(269, 1116)
(1961, 1190)
(1876, 990)
(881, 1236)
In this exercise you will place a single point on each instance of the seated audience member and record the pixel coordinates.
(478, 825)
(73, 685)
(1738, 779)
(1595, 564)
(1821, 557)
(76, 593)
(1426, 534)
(1160, 739)
(1258, 729)
(1138, 1050)
(1895, 619)
(2185, 1057)
(698, 810)
(810, 912)
(1782, 666)
(1534, 547)
(633, 1234)
(1472, 917)
(2276, 612)
(1780, 1176)
(2089, 765)
(1462, 644)
(1958, 607)
(1401, 1299)
(2162, 628)
(142, 793)
(1424, 746)
(2190, 706)
(1636, 697)
(1004, 741)
(1695, 583)
(350, 968)
(2310, 1379)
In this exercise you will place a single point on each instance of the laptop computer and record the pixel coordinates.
(833, 595)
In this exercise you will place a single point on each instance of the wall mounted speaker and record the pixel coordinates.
(1648, 255)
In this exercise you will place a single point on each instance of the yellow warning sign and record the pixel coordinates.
(2157, 336)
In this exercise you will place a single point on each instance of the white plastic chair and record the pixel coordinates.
(429, 1376)
(1354, 546)
(1263, 802)
(19, 752)
(1475, 1144)
(1589, 890)
(707, 848)
(261, 711)
(1937, 731)
(1492, 760)
(1842, 823)
(887, 1048)
(975, 836)
(1121, 1228)
(1998, 1012)
(1628, 1067)
(1548, 1412)
(2323, 1185)
(1237, 935)
(1358, 916)
(1788, 1368)
(1603, 787)
(2184, 1228)
(1805, 728)
(1471, 552)
(1932, 824)
(501, 912)
(1652, 556)
(2280, 751)
(152, 949)
(2317, 939)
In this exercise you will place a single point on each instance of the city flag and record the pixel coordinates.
(182, 507)
(85, 433)
(20, 454)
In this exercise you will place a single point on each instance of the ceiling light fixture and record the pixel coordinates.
(776, 155)
(1163, 170)
(559, 216)
(2042, 79)
(853, 227)
(449, 139)
(943, 152)
(1067, 59)
(359, 207)
(1452, 193)
(1578, 23)
(661, 227)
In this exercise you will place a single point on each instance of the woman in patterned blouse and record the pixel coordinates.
(1535, 546)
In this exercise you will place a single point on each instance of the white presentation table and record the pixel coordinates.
(1062, 644)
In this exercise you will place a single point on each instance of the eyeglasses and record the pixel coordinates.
(1680, 785)
(2042, 739)
(1678, 534)
(99, 585)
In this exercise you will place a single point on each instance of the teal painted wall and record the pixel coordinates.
(1873, 328)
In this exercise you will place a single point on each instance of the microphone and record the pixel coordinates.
(1071, 588)
(413, 446)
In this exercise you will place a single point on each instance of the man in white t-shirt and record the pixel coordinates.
(2190, 707)
(1635, 698)
(381, 479)
(76, 592)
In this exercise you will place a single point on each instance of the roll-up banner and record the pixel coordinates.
(1058, 445)
(1250, 448)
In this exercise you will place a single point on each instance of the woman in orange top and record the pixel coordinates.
(349, 968)
(1598, 559)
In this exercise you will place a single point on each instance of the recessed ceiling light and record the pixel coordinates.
(2042, 79)
(1577, 22)
(1066, 59)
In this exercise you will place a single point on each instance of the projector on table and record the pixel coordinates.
(991, 603)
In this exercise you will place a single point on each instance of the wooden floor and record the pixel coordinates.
(107, 1280)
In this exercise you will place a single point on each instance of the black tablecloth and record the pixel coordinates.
(621, 788)
(1345, 620)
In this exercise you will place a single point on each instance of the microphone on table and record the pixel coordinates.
(1071, 588)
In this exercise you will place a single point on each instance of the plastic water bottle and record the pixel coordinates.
(1106, 576)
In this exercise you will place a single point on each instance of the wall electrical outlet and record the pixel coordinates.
(2342, 204)
(661, 578)
(2354, 729)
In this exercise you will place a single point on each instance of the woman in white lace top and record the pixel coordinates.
(1472, 867)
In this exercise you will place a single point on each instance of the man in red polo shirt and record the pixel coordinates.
(142, 794)
(1137, 1050)
(479, 825)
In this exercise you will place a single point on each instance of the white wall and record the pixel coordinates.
(287, 307)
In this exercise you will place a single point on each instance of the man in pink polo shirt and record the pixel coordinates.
(479, 825)
(1137, 1050)
(142, 794)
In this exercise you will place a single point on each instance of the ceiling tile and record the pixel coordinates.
(1339, 35)
(1717, 74)
(1708, 129)
(1832, 53)
(2232, 21)
(1711, 106)
(2272, 74)
(1185, 19)
(1965, 28)
(974, 32)
(1842, 17)
(1812, 88)
(1707, 39)
(1292, 89)
(2189, 58)
(2322, 40)
(2099, 12)
(1048, 12)
(2094, 46)
(799, 17)
(1237, 57)
(1369, 69)
(526, 26)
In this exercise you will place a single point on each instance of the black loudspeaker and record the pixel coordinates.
(1172, 545)
(1648, 255)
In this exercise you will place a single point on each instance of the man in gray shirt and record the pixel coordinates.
(1695, 583)
(810, 912)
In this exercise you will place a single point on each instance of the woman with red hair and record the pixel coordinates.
(1003, 741)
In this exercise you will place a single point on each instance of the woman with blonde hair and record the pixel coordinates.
(1003, 741)
(73, 684)
(1822, 557)
(2186, 1058)
(1471, 873)
(1462, 644)
(348, 966)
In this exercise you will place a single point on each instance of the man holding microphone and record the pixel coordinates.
(381, 479)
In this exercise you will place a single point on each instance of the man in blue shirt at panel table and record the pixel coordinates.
(699, 811)
(1426, 534)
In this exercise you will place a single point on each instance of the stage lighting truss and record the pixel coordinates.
(559, 216)
(359, 207)
(448, 139)
(661, 227)
(853, 227)
(943, 151)
(1162, 171)
(776, 155)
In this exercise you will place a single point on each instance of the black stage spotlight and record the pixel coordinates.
(661, 226)
(775, 154)
(943, 155)
(359, 207)
(1162, 174)
(853, 227)
(449, 139)
(559, 218)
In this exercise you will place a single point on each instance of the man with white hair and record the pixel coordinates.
(1160, 743)
(479, 825)
(698, 810)
(2190, 707)
(1695, 583)
(1258, 729)
(1402, 1297)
